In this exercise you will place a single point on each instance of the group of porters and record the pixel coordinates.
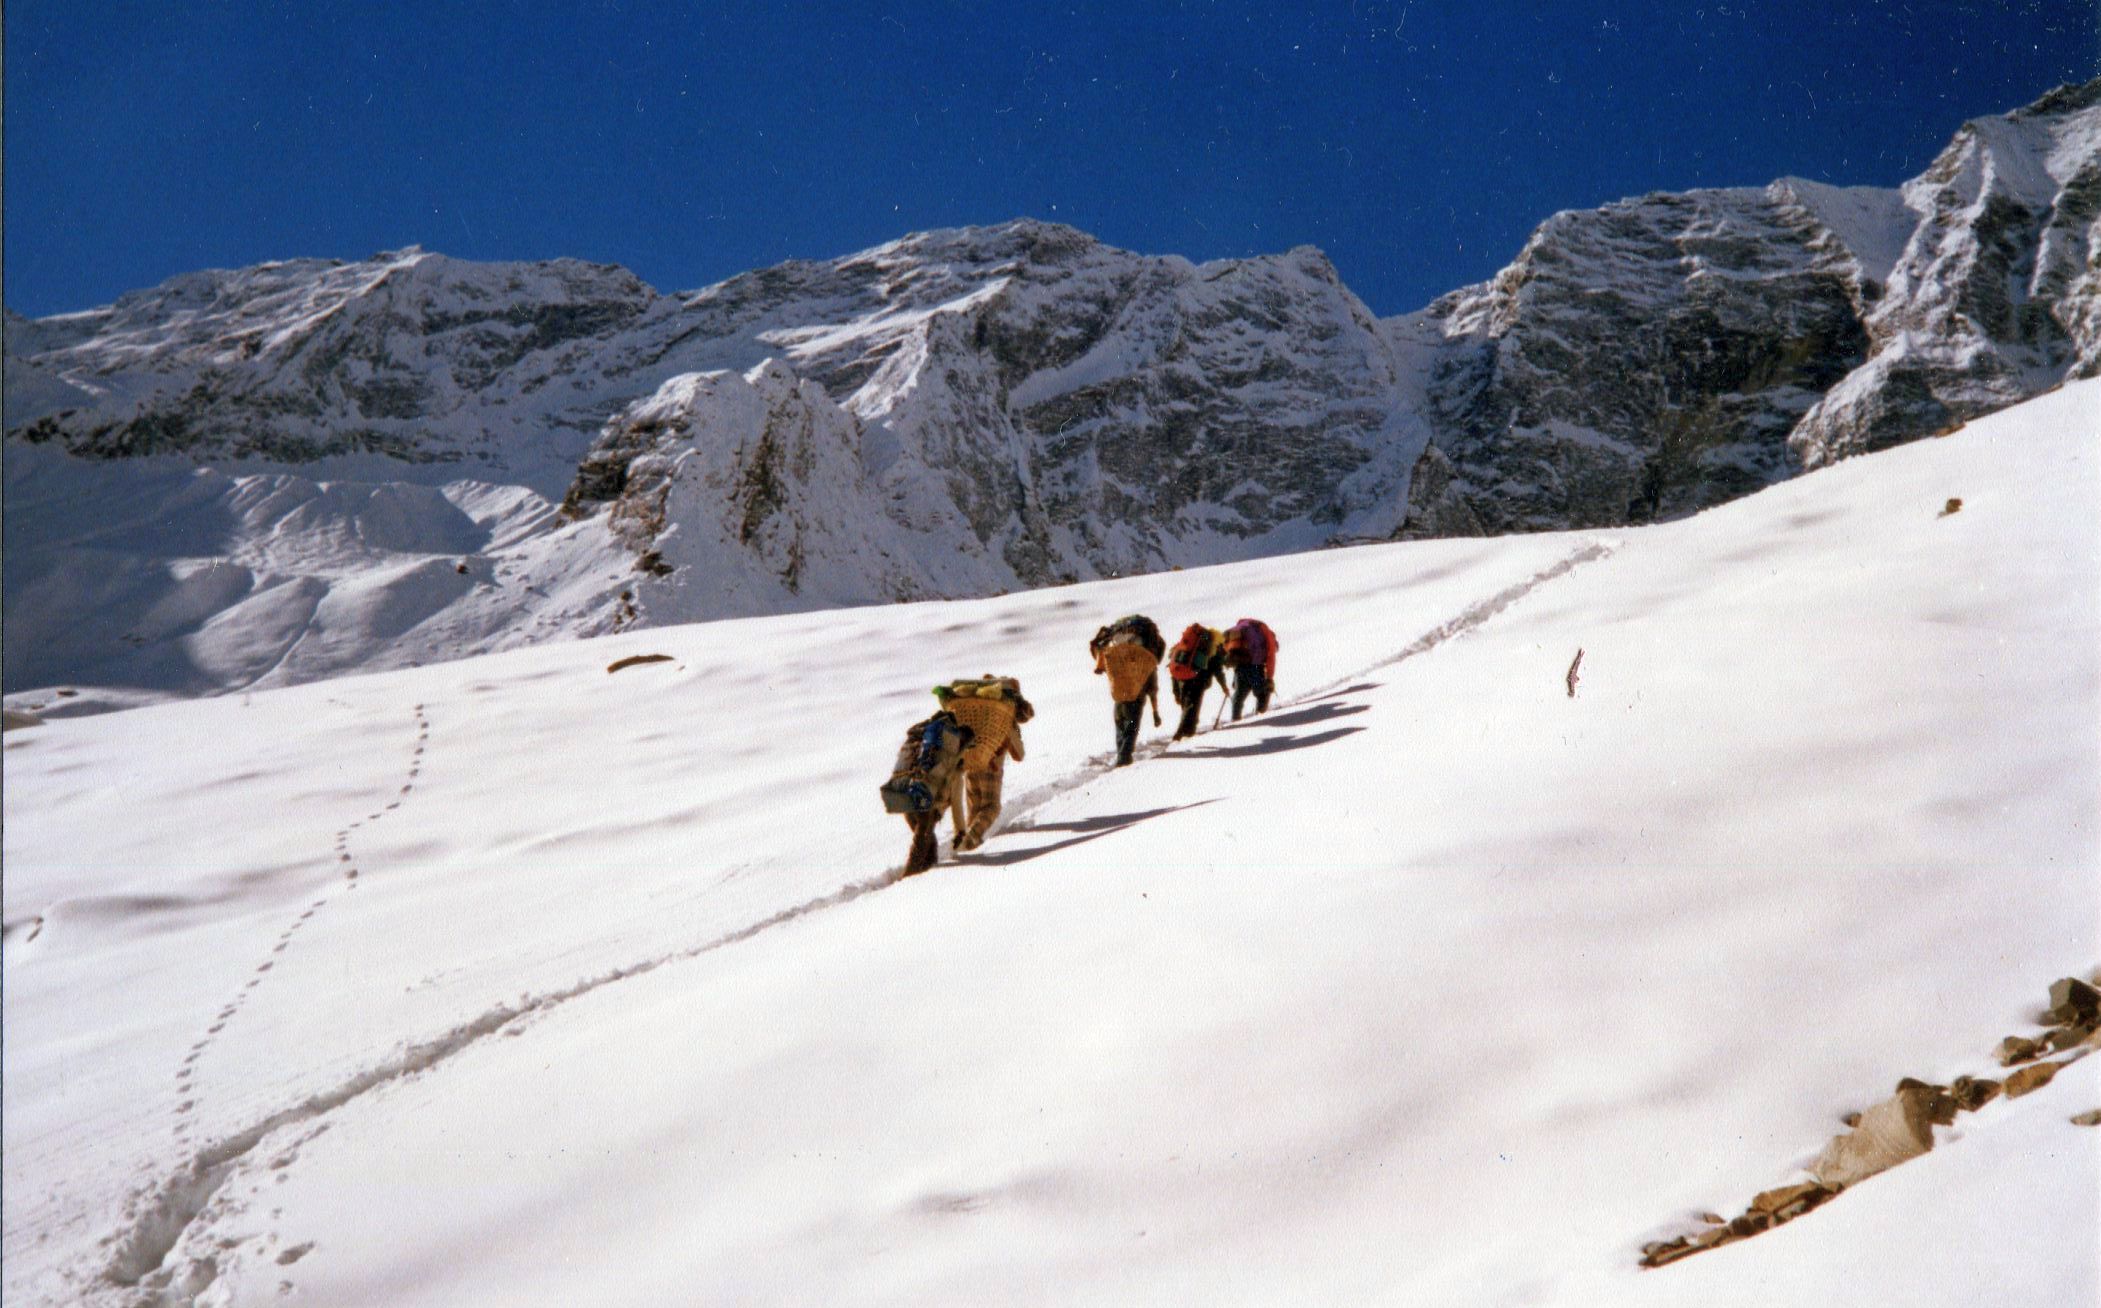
(956, 760)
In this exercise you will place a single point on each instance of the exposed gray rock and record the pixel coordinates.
(407, 355)
(1076, 411)
(1640, 361)
(1893, 1131)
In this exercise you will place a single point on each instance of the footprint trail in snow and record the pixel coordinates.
(186, 1096)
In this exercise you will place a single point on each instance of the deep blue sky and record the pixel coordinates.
(1417, 141)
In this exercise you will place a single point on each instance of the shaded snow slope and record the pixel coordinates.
(515, 981)
(164, 578)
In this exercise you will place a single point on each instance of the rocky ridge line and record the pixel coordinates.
(971, 411)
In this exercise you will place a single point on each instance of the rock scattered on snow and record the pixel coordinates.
(2073, 1003)
(2032, 1077)
(1974, 1092)
(1900, 1128)
(2014, 1050)
(634, 660)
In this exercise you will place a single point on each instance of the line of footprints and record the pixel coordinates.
(185, 1099)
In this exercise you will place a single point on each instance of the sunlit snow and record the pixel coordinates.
(513, 981)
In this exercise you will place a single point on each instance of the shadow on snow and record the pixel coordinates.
(1272, 745)
(1311, 715)
(1086, 829)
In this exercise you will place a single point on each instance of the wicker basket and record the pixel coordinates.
(991, 719)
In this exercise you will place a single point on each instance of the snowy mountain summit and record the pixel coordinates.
(1654, 357)
(269, 475)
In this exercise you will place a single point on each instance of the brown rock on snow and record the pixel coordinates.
(2092, 1118)
(1791, 1201)
(2017, 1049)
(2062, 1038)
(2034, 1077)
(2073, 1003)
(1940, 1105)
(1974, 1092)
(1664, 1252)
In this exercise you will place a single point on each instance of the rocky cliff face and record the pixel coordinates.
(1643, 360)
(1653, 357)
(744, 495)
(1994, 297)
(1032, 406)
(968, 411)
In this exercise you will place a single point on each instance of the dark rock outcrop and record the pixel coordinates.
(1640, 361)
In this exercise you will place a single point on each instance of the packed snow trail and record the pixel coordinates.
(1243, 1022)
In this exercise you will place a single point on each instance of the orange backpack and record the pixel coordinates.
(1191, 653)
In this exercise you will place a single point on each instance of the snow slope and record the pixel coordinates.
(515, 981)
(187, 580)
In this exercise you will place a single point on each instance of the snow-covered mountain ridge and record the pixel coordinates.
(973, 411)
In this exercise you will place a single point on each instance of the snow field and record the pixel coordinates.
(1434, 985)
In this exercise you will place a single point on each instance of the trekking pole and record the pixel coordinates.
(1219, 716)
